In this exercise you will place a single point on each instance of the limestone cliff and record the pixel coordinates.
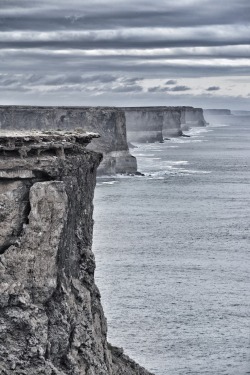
(108, 122)
(152, 124)
(192, 117)
(51, 318)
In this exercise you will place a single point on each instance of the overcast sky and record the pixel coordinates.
(129, 52)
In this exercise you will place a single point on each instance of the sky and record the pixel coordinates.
(125, 53)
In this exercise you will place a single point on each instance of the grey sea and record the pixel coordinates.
(173, 253)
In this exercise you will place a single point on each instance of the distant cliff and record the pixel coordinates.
(51, 318)
(108, 122)
(154, 124)
(217, 112)
(192, 117)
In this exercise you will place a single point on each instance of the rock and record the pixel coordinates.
(51, 318)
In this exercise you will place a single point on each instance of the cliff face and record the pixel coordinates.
(144, 124)
(192, 117)
(171, 122)
(152, 124)
(108, 122)
(51, 318)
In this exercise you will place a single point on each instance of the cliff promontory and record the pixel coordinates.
(109, 122)
(154, 124)
(51, 318)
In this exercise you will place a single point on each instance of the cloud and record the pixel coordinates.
(158, 89)
(169, 89)
(180, 88)
(127, 89)
(54, 14)
(111, 46)
(171, 82)
(213, 88)
(139, 38)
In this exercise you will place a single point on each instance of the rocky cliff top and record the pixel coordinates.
(36, 142)
(158, 108)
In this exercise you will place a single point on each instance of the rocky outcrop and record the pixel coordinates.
(108, 122)
(191, 117)
(51, 318)
(152, 124)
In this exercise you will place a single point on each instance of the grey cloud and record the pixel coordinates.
(78, 79)
(213, 88)
(125, 39)
(171, 82)
(45, 65)
(131, 81)
(168, 89)
(64, 57)
(127, 89)
(180, 88)
(57, 80)
(94, 15)
(158, 89)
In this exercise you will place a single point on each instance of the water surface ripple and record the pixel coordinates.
(172, 253)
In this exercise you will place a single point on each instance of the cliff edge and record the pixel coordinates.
(51, 318)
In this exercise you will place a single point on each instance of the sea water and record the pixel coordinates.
(173, 254)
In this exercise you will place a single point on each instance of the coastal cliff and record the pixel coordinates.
(154, 124)
(217, 112)
(51, 318)
(109, 122)
(220, 116)
(191, 117)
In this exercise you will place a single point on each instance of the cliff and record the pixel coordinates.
(108, 122)
(191, 117)
(51, 318)
(217, 112)
(154, 124)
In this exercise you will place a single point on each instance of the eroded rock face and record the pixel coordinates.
(109, 122)
(152, 124)
(191, 117)
(51, 318)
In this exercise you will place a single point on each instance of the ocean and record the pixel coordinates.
(172, 251)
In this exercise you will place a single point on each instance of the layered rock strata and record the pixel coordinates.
(51, 318)
(154, 124)
(109, 122)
